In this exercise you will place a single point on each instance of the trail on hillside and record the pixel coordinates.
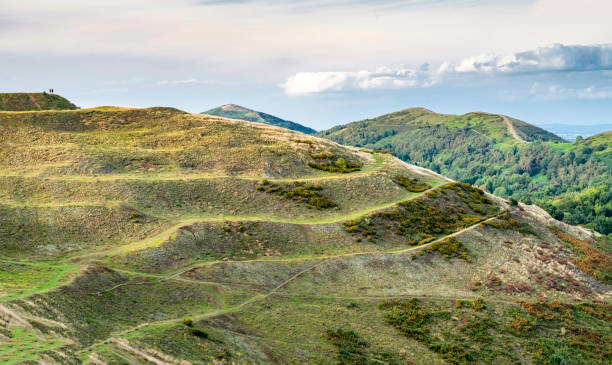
(34, 101)
(159, 238)
(511, 129)
(274, 291)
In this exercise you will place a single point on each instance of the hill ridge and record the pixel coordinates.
(33, 102)
(235, 111)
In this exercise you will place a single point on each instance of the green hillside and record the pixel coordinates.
(505, 156)
(154, 236)
(33, 101)
(238, 112)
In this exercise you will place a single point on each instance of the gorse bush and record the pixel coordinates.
(322, 155)
(325, 161)
(353, 350)
(468, 333)
(450, 247)
(411, 184)
(506, 221)
(198, 332)
(300, 192)
(426, 217)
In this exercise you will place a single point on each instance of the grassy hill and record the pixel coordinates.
(33, 101)
(505, 156)
(238, 112)
(156, 236)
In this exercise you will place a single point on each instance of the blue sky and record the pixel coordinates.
(318, 62)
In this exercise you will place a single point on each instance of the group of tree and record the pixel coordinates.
(572, 181)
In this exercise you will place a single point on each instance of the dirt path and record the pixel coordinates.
(34, 101)
(512, 130)
(156, 240)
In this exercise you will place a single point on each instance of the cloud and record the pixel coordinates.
(555, 58)
(381, 78)
(182, 82)
(123, 82)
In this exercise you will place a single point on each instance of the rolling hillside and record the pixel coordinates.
(238, 112)
(33, 101)
(153, 236)
(505, 156)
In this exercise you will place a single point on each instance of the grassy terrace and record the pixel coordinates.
(81, 195)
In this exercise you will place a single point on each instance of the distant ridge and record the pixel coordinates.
(491, 125)
(239, 112)
(34, 101)
(505, 156)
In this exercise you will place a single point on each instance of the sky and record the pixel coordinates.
(318, 62)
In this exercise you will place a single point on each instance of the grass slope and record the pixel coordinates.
(33, 101)
(239, 112)
(156, 236)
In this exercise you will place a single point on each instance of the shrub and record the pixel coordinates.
(199, 333)
(340, 163)
(305, 141)
(478, 304)
(411, 184)
(450, 247)
(591, 259)
(556, 359)
(351, 349)
(522, 322)
(308, 194)
(322, 155)
(408, 317)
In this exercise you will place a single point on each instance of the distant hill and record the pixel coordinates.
(505, 156)
(239, 112)
(34, 101)
(385, 128)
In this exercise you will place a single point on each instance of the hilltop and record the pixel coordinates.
(34, 101)
(383, 129)
(239, 112)
(157, 236)
(503, 155)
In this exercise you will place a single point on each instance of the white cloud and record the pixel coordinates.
(381, 78)
(558, 92)
(182, 82)
(555, 58)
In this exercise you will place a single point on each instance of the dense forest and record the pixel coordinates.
(572, 181)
